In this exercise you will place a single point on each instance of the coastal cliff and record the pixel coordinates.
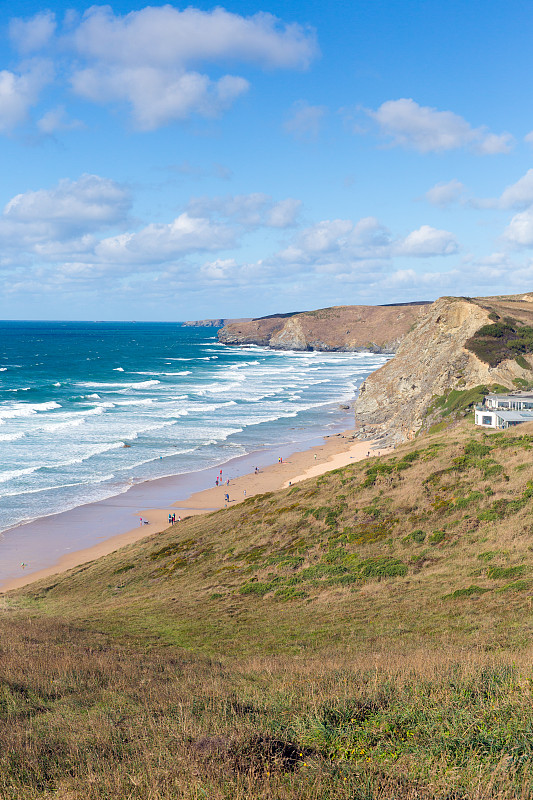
(210, 323)
(457, 344)
(376, 329)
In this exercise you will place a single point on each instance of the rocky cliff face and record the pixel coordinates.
(432, 359)
(349, 328)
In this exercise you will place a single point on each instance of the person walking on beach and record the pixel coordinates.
(140, 521)
(173, 518)
(245, 492)
(216, 481)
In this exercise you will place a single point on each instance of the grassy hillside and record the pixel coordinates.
(365, 634)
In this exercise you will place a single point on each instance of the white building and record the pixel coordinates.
(505, 410)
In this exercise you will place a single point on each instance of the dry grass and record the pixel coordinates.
(376, 621)
(93, 719)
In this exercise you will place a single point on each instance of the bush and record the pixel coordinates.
(469, 590)
(496, 573)
(382, 567)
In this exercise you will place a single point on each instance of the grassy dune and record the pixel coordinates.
(365, 634)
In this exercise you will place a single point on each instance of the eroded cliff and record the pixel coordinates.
(348, 328)
(436, 357)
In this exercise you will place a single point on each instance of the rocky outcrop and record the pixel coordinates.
(374, 329)
(210, 323)
(432, 360)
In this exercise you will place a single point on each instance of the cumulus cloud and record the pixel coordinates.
(305, 120)
(144, 58)
(250, 210)
(19, 92)
(165, 36)
(342, 247)
(426, 129)
(222, 269)
(157, 243)
(57, 119)
(32, 34)
(519, 194)
(444, 194)
(151, 59)
(519, 232)
(428, 241)
(157, 97)
(69, 210)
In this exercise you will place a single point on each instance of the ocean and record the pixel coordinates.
(87, 409)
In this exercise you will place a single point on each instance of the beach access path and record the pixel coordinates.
(338, 450)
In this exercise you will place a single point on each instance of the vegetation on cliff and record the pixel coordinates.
(506, 339)
(364, 634)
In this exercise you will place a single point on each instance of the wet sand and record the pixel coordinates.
(144, 510)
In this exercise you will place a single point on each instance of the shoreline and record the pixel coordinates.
(321, 454)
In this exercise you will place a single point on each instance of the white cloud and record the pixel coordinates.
(305, 120)
(490, 144)
(159, 242)
(33, 34)
(18, 93)
(165, 36)
(370, 233)
(250, 210)
(158, 97)
(519, 232)
(428, 241)
(428, 130)
(325, 237)
(283, 214)
(222, 269)
(151, 59)
(520, 194)
(69, 210)
(57, 120)
(443, 194)
(338, 245)
(143, 58)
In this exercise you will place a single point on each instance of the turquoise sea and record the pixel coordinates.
(89, 409)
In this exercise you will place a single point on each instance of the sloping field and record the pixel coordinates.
(365, 634)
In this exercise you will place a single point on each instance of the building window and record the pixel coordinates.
(486, 420)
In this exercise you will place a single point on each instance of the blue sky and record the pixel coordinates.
(174, 162)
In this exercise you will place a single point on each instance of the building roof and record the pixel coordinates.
(515, 416)
(512, 396)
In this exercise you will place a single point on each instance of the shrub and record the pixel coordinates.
(382, 567)
(497, 573)
(469, 590)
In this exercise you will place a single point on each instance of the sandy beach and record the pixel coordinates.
(337, 450)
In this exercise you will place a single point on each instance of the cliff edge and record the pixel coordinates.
(457, 344)
(376, 329)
